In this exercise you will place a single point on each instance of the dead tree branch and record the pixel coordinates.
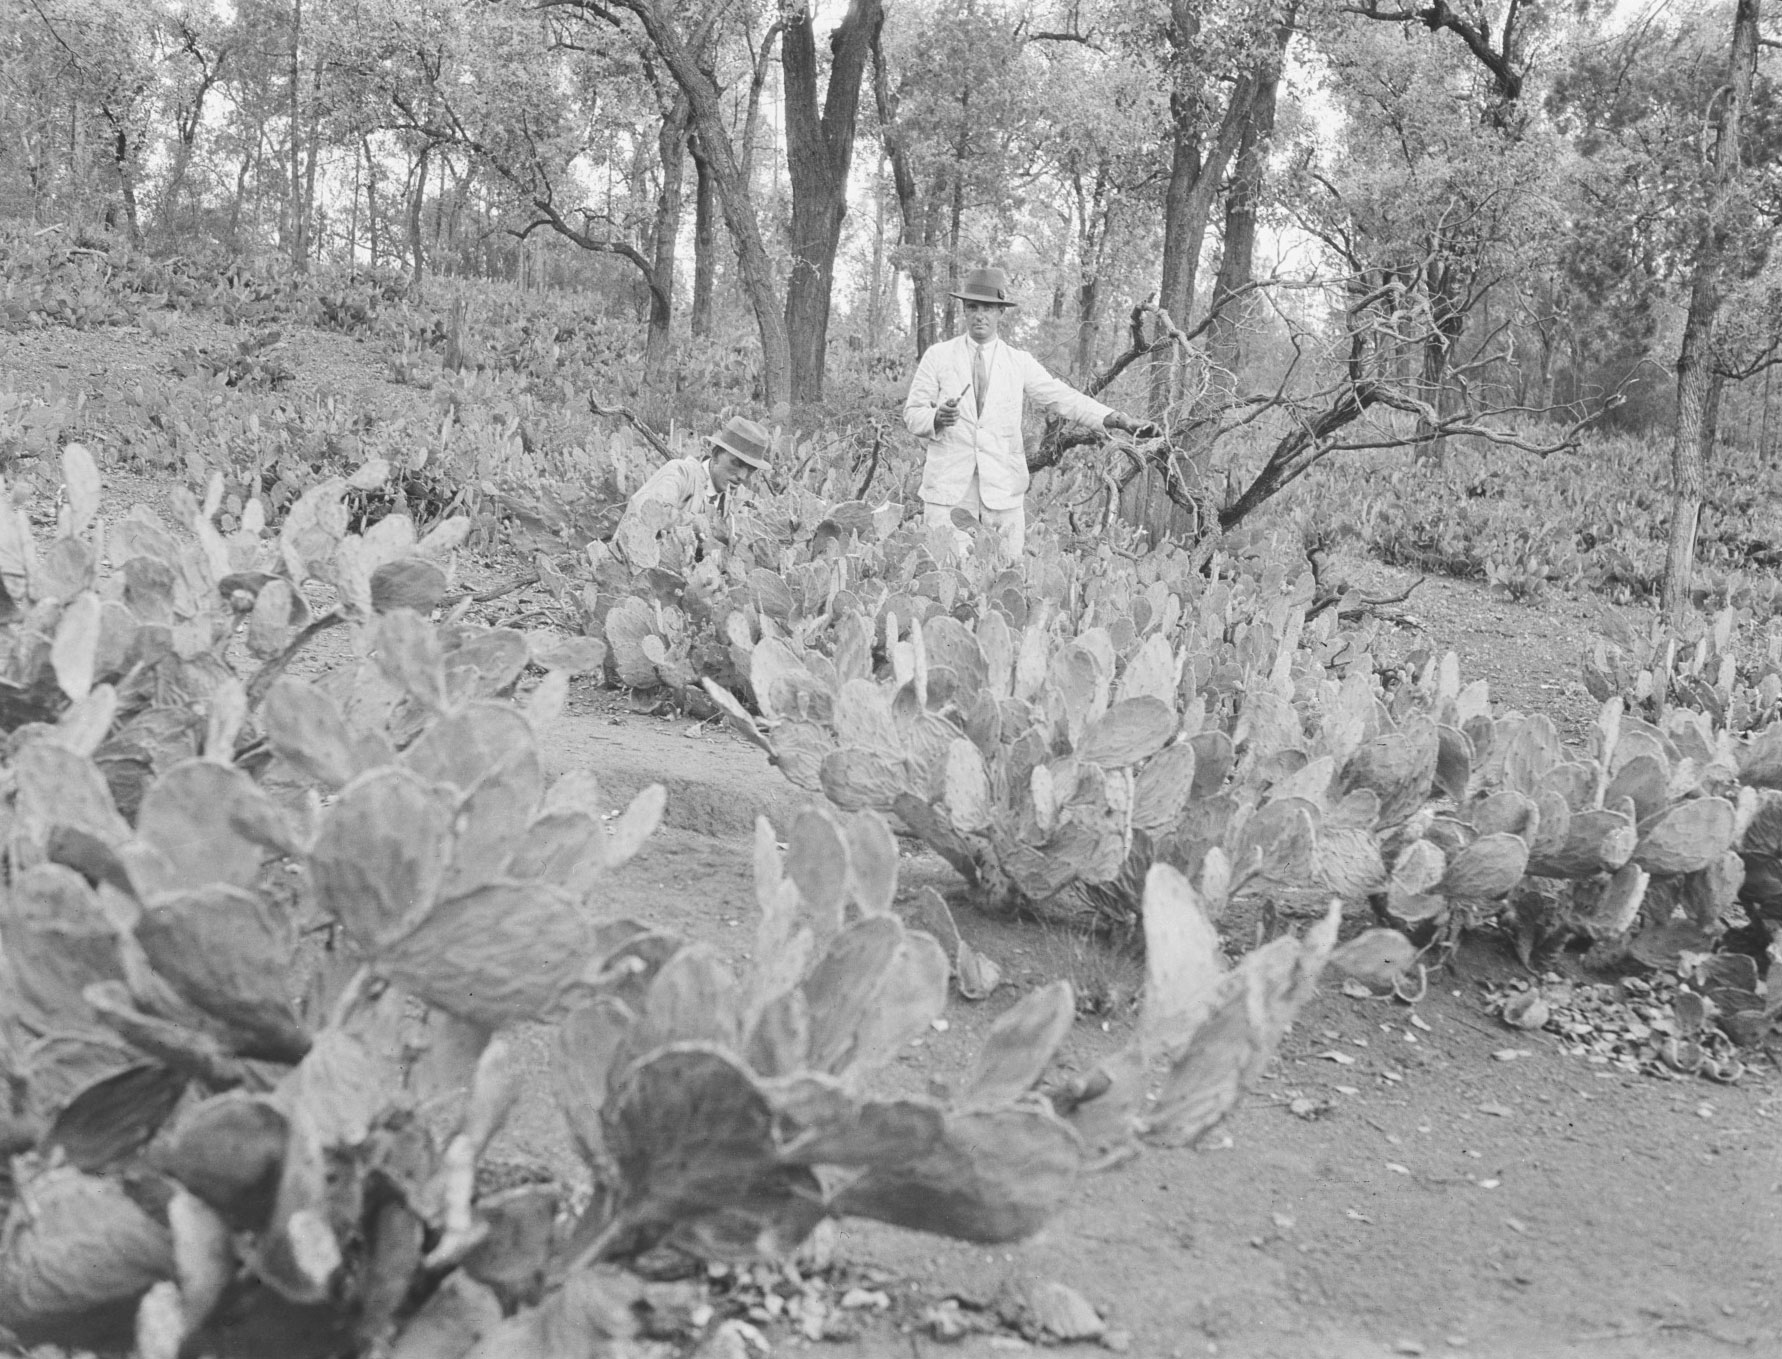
(653, 439)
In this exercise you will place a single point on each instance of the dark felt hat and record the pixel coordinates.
(743, 437)
(986, 285)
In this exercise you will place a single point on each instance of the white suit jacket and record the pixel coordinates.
(682, 485)
(989, 444)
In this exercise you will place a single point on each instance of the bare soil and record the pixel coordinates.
(1446, 1200)
(1443, 1202)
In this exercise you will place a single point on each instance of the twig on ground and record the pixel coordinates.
(1669, 1324)
(1365, 604)
(493, 592)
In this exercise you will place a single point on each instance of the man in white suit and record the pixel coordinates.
(967, 399)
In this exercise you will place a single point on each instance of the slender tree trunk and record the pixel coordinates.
(636, 191)
(122, 160)
(248, 157)
(922, 281)
(416, 243)
(705, 240)
(313, 144)
(295, 240)
(1188, 202)
(353, 217)
(1195, 173)
(819, 155)
(956, 208)
(1088, 305)
(76, 146)
(875, 318)
(751, 133)
(1094, 213)
(1764, 449)
(370, 203)
(917, 258)
(1687, 452)
(671, 147)
(1447, 321)
(733, 193)
(188, 120)
(1697, 388)
(1237, 261)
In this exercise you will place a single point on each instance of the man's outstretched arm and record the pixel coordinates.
(1060, 398)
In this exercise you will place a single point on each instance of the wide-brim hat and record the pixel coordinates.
(986, 285)
(746, 439)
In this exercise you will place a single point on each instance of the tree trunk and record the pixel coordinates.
(1225, 339)
(875, 313)
(353, 217)
(1687, 452)
(922, 283)
(1697, 391)
(121, 157)
(307, 202)
(241, 178)
(260, 151)
(910, 236)
(1447, 321)
(671, 146)
(705, 240)
(733, 193)
(1088, 305)
(294, 218)
(370, 203)
(752, 113)
(637, 189)
(416, 251)
(819, 154)
(1094, 214)
(182, 159)
(1763, 429)
(1188, 202)
(956, 209)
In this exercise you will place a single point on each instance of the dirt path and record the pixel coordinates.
(1445, 1200)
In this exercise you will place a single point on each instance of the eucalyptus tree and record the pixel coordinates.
(95, 63)
(1099, 170)
(1722, 242)
(1216, 59)
(819, 156)
(1439, 190)
(952, 84)
(1680, 139)
(1453, 120)
(680, 37)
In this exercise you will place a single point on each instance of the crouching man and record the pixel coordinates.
(967, 399)
(694, 492)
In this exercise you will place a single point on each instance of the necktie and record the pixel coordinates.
(980, 375)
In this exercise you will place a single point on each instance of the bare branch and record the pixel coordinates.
(1088, 40)
(1477, 37)
(653, 439)
(550, 217)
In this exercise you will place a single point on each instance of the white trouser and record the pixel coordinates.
(1011, 524)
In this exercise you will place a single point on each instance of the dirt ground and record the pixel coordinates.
(1447, 1202)
(1443, 1202)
